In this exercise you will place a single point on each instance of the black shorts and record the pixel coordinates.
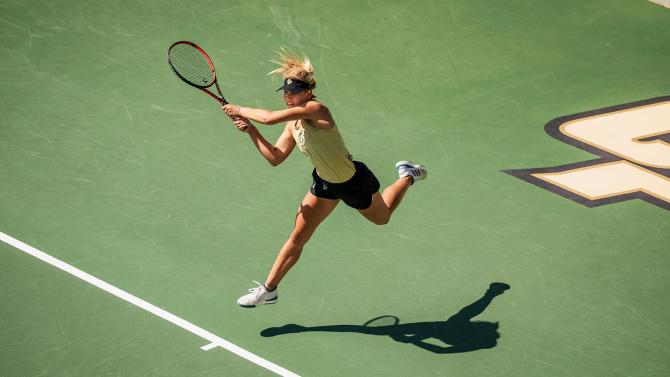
(356, 192)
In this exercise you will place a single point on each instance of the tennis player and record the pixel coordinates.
(336, 176)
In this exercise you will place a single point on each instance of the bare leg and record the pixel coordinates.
(383, 205)
(311, 213)
(393, 194)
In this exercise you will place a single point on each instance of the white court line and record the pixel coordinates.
(214, 340)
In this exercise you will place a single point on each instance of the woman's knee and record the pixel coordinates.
(377, 216)
(378, 213)
(299, 238)
(380, 219)
(383, 221)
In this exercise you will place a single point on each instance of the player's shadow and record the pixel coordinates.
(457, 334)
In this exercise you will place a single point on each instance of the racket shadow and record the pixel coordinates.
(457, 334)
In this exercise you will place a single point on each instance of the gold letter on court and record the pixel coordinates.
(633, 141)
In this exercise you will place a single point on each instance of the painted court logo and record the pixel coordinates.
(633, 142)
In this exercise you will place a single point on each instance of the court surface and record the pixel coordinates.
(114, 167)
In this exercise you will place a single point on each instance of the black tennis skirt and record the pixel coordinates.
(356, 192)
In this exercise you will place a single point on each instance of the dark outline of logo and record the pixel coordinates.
(553, 129)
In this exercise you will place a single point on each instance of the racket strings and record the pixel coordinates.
(191, 64)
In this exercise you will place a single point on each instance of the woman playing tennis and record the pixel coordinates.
(336, 176)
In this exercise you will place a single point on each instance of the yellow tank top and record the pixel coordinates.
(325, 149)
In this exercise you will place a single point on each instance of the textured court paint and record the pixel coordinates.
(162, 313)
(665, 3)
(110, 162)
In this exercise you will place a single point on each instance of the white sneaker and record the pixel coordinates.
(258, 296)
(410, 169)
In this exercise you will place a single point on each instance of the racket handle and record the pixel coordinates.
(224, 102)
(236, 118)
(245, 127)
(220, 99)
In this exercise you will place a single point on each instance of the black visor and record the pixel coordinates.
(294, 86)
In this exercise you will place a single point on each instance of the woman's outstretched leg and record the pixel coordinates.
(311, 213)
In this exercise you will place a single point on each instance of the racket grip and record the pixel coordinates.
(224, 102)
(236, 118)
(245, 126)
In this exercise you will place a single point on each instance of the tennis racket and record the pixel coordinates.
(193, 66)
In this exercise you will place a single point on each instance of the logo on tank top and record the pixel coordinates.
(301, 139)
(300, 136)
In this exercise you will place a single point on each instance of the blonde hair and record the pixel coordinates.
(292, 66)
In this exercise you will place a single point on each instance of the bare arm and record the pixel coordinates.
(274, 154)
(316, 112)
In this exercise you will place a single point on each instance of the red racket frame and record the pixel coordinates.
(215, 82)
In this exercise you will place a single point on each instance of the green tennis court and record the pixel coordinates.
(141, 186)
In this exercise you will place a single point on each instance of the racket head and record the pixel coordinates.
(192, 64)
(385, 320)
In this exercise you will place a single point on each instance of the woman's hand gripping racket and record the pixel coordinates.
(193, 66)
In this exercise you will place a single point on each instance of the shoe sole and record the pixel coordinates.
(253, 306)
